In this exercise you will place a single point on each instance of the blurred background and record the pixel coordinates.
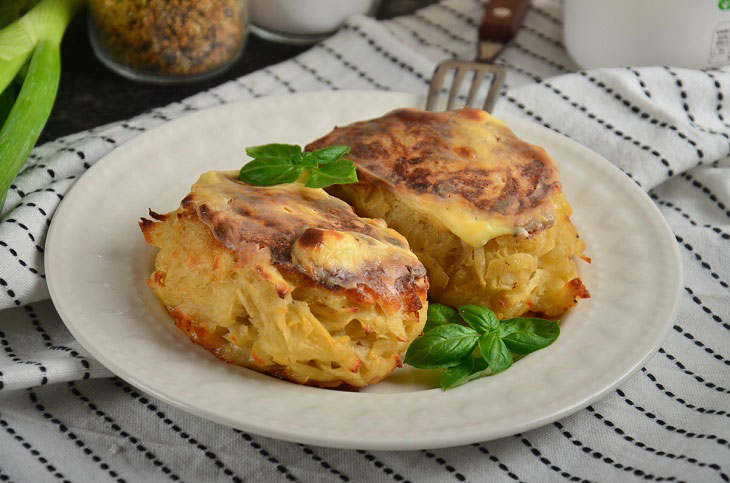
(91, 95)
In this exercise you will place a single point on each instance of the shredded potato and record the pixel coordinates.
(310, 335)
(510, 274)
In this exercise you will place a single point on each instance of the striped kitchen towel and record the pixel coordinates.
(64, 417)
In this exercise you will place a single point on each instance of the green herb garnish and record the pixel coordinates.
(448, 343)
(285, 163)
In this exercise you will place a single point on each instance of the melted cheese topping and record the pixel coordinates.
(304, 231)
(464, 169)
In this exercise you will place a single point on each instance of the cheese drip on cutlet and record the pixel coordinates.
(464, 168)
(307, 232)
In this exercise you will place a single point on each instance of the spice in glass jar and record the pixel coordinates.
(168, 40)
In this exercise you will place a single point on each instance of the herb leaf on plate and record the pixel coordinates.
(439, 314)
(445, 346)
(331, 153)
(273, 151)
(286, 163)
(526, 335)
(341, 171)
(470, 369)
(450, 338)
(495, 352)
(267, 172)
(480, 318)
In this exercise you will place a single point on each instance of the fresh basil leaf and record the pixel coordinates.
(439, 314)
(445, 346)
(331, 153)
(337, 172)
(267, 172)
(480, 318)
(524, 335)
(472, 368)
(495, 352)
(306, 159)
(273, 151)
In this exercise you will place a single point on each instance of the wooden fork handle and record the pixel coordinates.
(502, 20)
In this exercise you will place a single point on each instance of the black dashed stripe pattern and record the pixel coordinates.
(705, 266)
(380, 50)
(280, 80)
(700, 379)
(610, 461)
(11, 293)
(670, 427)
(611, 128)
(682, 93)
(698, 343)
(136, 443)
(421, 40)
(264, 453)
(351, 66)
(382, 466)
(545, 60)
(161, 416)
(85, 366)
(643, 446)
(441, 29)
(496, 460)
(248, 89)
(671, 395)
(443, 463)
(549, 464)
(704, 189)
(685, 105)
(640, 80)
(546, 15)
(50, 468)
(14, 357)
(73, 437)
(315, 74)
(704, 308)
(643, 113)
(312, 454)
(20, 261)
(723, 234)
(720, 98)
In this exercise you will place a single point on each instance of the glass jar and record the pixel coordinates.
(166, 41)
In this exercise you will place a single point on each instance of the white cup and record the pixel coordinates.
(303, 21)
(681, 33)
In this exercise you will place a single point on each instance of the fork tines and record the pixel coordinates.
(461, 68)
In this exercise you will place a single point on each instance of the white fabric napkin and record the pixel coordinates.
(63, 417)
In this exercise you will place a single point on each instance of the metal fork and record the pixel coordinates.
(499, 26)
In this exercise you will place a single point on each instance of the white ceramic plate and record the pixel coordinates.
(97, 263)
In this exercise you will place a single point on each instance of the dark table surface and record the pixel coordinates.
(91, 95)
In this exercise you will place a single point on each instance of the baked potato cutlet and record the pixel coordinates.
(288, 281)
(483, 210)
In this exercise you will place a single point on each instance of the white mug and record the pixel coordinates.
(303, 21)
(680, 33)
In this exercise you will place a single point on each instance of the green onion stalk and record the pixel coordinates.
(35, 39)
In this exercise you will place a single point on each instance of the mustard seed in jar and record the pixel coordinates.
(168, 40)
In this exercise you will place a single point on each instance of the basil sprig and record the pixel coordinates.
(451, 337)
(285, 163)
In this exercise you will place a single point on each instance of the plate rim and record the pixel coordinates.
(413, 443)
